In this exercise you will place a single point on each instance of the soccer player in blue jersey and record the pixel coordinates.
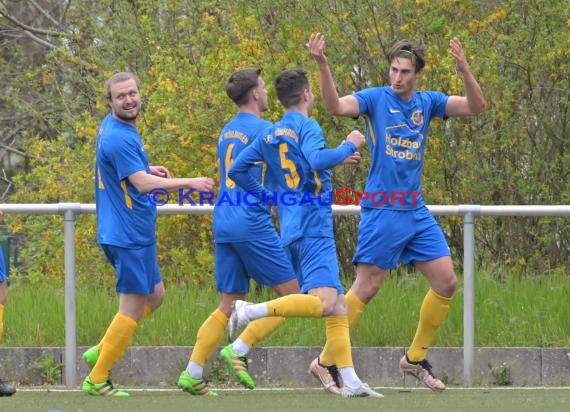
(246, 242)
(395, 223)
(298, 165)
(126, 222)
(5, 390)
(3, 285)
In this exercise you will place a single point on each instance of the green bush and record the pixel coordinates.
(515, 153)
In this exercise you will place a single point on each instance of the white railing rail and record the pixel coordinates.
(468, 212)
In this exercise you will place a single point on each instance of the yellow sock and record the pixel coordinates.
(432, 314)
(259, 329)
(296, 306)
(338, 340)
(117, 339)
(209, 336)
(1, 320)
(147, 312)
(355, 308)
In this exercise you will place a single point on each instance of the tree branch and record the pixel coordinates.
(18, 152)
(45, 13)
(64, 14)
(41, 41)
(30, 29)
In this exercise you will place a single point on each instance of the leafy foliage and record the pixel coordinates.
(515, 153)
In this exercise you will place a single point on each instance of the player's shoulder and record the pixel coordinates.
(113, 127)
(430, 94)
(265, 123)
(115, 138)
(373, 91)
(310, 125)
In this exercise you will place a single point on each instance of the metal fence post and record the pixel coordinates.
(469, 213)
(69, 211)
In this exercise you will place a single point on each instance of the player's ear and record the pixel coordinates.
(306, 95)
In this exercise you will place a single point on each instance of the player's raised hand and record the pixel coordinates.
(201, 184)
(316, 47)
(353, 159)
(356, 138)
(459, 55)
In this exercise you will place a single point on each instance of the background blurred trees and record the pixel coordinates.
(56, 54)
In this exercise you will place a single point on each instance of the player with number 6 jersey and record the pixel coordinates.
(299, 164)
(247, 245)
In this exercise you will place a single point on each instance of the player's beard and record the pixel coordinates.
(121, 115)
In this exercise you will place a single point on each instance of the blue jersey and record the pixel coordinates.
(298, 166)
(397, 132)
(234, 219)
(125, 217)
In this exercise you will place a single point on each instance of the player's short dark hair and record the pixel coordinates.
(118, 78)
(290, 85)
(240, 83)
(408, 50)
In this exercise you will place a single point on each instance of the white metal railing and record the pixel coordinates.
(469, 213)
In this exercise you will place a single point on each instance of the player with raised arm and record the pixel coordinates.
(400, 228)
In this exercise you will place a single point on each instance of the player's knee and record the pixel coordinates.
(328, 308)
(449, 285)
(3, 292)
(226, 309)
(367, 290)
(330, 305)
(157, 298)
(375, 283)
(159, 301)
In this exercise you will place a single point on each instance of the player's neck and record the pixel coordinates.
(407, 96)
(251, 109)
(132, 122)
(300, 108)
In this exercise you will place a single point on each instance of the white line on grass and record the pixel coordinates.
(401, 389)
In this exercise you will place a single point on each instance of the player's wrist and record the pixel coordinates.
(463, 68)
(322, 61)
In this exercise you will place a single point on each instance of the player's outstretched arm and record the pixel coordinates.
(344, 106)
(346, 153)
(473, 103)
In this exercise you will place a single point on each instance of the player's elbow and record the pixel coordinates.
(316, 164)
(333, 111)
(482, 106)
(232, 174)
(143, 186)
(142, 181)
(478, 108)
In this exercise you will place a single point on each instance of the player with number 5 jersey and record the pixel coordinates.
(247, 245)
(298, 164)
